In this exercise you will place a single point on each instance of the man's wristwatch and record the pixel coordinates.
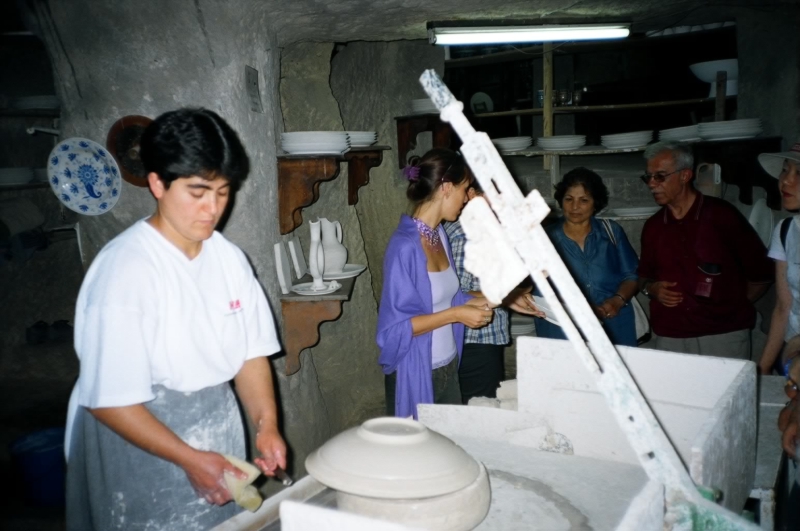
(646, 290)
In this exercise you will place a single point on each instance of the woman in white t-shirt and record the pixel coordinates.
(785, 250)
(168, 314)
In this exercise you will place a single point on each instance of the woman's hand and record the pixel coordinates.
(523, 303)
(206, 473)
(472, 316)
(482, 303)
(273, 451)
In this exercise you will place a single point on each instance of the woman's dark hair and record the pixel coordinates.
(190, 142)
(436, 167)
(591, 182)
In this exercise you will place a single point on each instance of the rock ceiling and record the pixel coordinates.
(354, 20)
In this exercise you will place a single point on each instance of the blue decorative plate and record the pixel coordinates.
(84, 176)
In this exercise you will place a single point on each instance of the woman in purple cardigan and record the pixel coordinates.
(423, 310)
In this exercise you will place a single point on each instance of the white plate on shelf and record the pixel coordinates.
(348, 271)
(299, 261)
(631, 211)
(282, 268)
(307, 288)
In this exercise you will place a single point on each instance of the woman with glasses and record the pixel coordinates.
(423, 312)
(598, 255)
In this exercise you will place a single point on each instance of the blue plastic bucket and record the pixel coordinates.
(39, 459)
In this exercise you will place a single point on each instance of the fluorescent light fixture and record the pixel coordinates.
(448, 35)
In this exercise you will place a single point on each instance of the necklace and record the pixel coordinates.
(430, 235)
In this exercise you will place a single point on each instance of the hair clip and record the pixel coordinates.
(411, 173)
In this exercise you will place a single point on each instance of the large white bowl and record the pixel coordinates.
(461, 510)
(708, 71)
(395, 458)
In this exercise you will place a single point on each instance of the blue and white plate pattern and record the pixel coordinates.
(84, 176)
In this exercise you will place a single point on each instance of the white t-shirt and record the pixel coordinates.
(146, 315)
(791, 255)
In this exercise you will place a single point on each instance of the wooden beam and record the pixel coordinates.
(547, 112)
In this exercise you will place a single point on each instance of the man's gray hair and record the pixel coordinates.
(681, 153)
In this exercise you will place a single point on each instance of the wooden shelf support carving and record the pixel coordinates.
(301, 322)
(408, 127)
(298, 186)
(359, 163)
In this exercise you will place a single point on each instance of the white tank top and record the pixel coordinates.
(444, 286)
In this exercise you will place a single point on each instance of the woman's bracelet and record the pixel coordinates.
(624, 300)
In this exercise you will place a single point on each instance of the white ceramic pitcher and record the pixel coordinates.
(316, 256)
(335, 252)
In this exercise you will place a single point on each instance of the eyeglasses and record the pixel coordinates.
(659, 177)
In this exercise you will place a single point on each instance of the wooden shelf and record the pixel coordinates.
(584, 150)
(359, 162)
(574, 109)
(409, 126)
(303, 315)
(32, 113)
(299, 177)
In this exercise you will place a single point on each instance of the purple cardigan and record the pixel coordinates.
(406, 294)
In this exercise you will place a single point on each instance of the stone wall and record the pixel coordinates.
(153, 57)
(373, 82)
(769, 80)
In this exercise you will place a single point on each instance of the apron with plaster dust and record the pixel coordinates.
(114, 485)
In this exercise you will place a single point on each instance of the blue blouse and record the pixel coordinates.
(598, 270)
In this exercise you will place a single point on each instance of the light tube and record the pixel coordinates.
(450, 36)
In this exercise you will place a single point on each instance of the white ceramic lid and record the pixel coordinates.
(391, 457)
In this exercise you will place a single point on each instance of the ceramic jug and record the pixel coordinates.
(316, 256)
(335, 252)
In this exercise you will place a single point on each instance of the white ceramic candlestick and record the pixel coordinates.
(316, 256)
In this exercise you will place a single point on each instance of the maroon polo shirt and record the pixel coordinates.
(712, 231)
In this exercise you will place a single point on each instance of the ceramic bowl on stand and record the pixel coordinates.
(397, 469)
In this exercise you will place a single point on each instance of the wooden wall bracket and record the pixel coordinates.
(299, 178)
(301, 322)
(358, 165)
(303, 315)
(408, 127)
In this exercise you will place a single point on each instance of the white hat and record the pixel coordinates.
(773, 162)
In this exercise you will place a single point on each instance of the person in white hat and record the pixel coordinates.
(785, 244)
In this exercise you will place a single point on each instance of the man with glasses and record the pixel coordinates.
(702, 264)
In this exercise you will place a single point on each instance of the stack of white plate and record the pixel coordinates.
(423, 106)
(315, 143)
(626, 140)
(731, 129)
(362, 138)
(561, 142)
(680, 134)
(16, 175)
(630, 212)
(512, 143)
(522, 325)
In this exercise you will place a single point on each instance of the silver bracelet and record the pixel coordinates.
(625, 302)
